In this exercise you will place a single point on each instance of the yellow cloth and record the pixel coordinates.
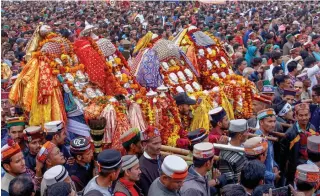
(6, 72)
(201, 115)
(143, 42)
(227, 106)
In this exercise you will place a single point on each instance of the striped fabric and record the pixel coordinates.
(231, 164)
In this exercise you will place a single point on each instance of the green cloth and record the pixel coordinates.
(15, 124)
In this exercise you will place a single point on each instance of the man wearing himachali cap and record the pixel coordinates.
(15, 127)
(53, 175)
(81, 170)
(196, 182)
(56, 133)
(151, 160)
(284, 113)
(307, 179)
(267, 121)
(220, 123)
(131, 142)
(109, 166)
(12, 161)
(33, 138)
(296, 137)
(173, 172)
(231, 162)
(314, 150)
(129, 175)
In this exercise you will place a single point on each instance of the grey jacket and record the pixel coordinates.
(158, 189)
(195, 184)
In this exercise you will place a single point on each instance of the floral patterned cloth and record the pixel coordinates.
(148, 73)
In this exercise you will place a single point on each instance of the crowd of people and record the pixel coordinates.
(276, 45)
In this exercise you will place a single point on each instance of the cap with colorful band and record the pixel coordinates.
(255, 146)
(301, 106)
(45, 150)
(265, 113)
(197, 135)
(313, 143)
(175, 167)
(9, 150)
(130, 137)
(203, 150)
(16, 121)
(302, 77)
(149, 132)
(32, 133)
(308, 173)
(291, 92)
(261, 99)
(268, 89)
(129, 161)
(53, 127)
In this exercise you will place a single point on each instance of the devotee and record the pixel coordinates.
(196, 182)
(220, 124)
(184, 101)
(50, 156)
(306, 93)
(81, 170)
(315, 108)
(109, 166)
(307, 179)
(312, 67)
(231, 162)
(259, 103)
(276, 62)
(56, 133)
(33, 138)
(284, 114)
(294, 53)
(129, 176)
(174, 171)
(16, 126)
(131, 142)
(54, 175)
(293, 71)
(252, 175)
(21, 185)
(282, 82)
(287, 46)
(61, 189)
(197, 136)
(12, 161)
(298, 87)
(289, 95)
(297, 139)
(151, 160)
(267, 121)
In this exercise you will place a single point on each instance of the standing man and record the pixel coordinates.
(50, 155)
(81, 171)
(174, 171)
(220, 124)
(288, 45)
(284, 114)
(289, 95)
(16, 126)
(315, 107)
(109, 165)
(12, 161)
(297, 139)
(151, 160)
(56, 133)
(267, 121)
(231, 162)
(196, 183)
(183, 102)
(131, 142)
(130, 174)
(259, 103)
(33, 138)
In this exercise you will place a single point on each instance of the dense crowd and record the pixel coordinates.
(276, 45)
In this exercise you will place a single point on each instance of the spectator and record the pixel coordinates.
(21, 186)
(240, 65)
(61, 189)
(233, 190)
(252, 175)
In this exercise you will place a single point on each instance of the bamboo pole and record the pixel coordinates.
(175, 150)
(274, 139)
(186, 158)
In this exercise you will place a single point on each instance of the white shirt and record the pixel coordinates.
(268, 73)
(312, 74)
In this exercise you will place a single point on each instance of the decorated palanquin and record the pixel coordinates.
(159, 61)
(210, 58)
(37, 88)
(206, 54)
